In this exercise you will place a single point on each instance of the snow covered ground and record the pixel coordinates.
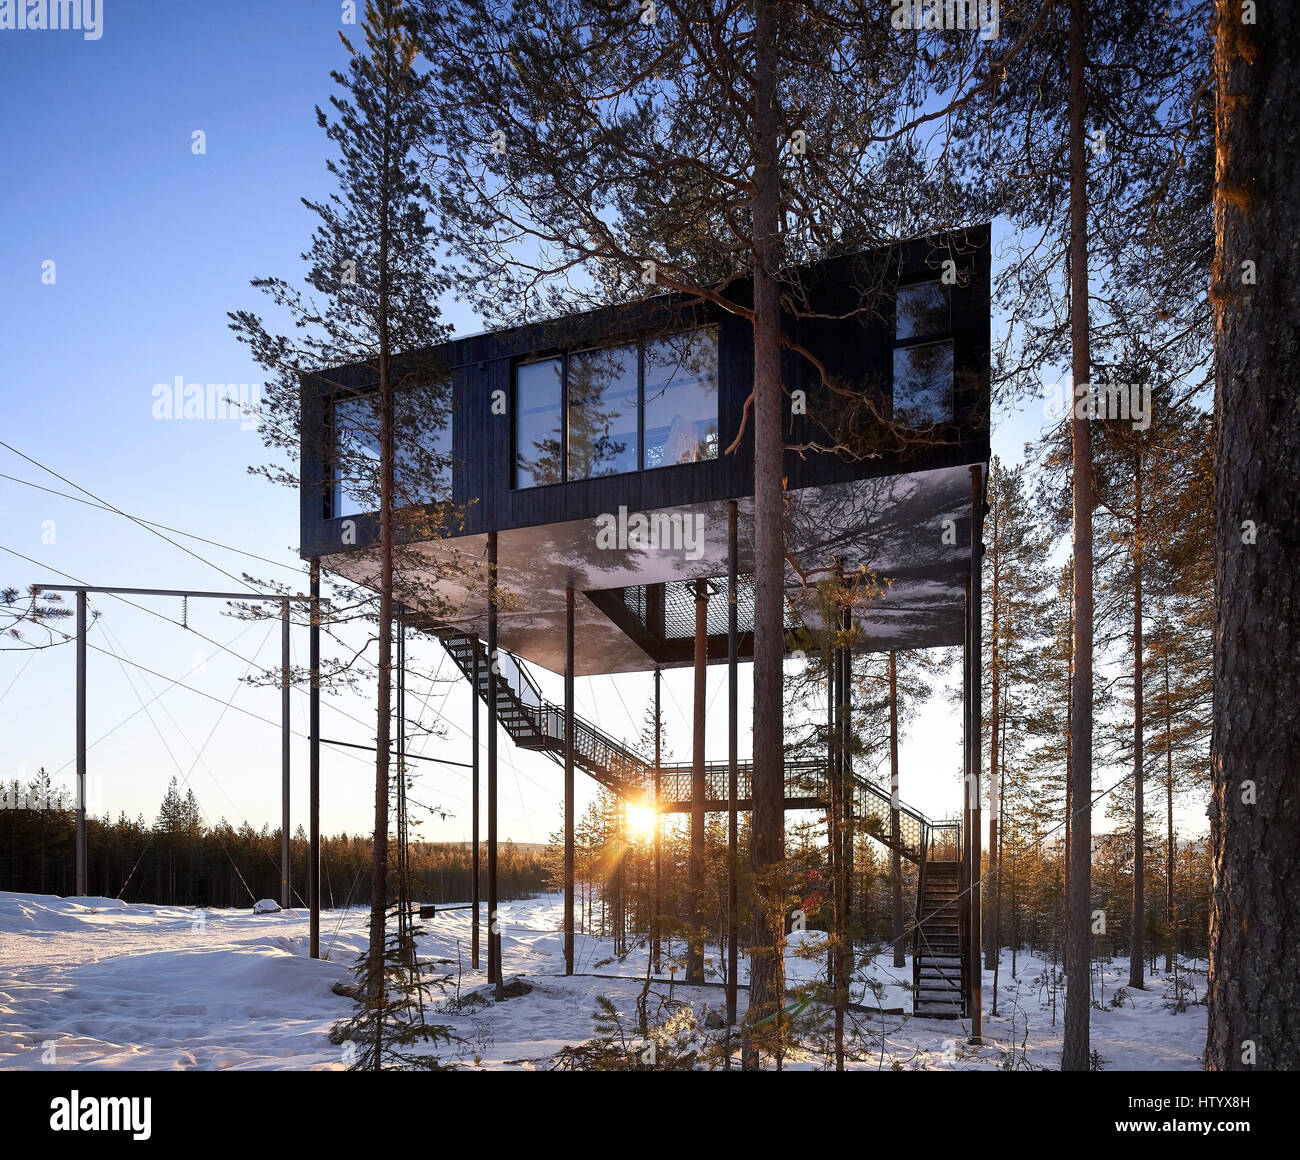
(95, 983)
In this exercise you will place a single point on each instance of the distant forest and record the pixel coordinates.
(614, 876)
(179, 861)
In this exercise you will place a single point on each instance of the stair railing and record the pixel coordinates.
(917, 929)
(612, 763)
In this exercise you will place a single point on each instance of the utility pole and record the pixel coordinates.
(82, 592)
(81, 743)
(313, 766)
(474, 808)
(286, 884)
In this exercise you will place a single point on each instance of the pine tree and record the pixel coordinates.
(390, 1030)
(372, 260)
(1254, 995)
(20, 615)
(707, 151)
(1017, 610)
(1076, 82)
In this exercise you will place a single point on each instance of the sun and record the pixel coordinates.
(641, 821)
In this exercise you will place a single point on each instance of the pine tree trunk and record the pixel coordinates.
(767, 841)
(1015, 913)
(1254, 987)
(1075, 1052)
(990, 915)
(1069, 763)
(997, 894)
(1137, 947)
(895, 859)
(695, 957)
(1170, 949)
(383, 694)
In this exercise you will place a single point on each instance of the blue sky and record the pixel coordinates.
(152, 245)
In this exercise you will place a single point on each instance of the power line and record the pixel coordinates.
(198, 756)
(127, 515)
(173, 683)
(177, 624)
(151, 523)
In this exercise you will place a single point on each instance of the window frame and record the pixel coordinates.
(333, 488)
(644, 342)
(533, 360)
(334, 492)
(567, 356)
(925, 338)
(564, 356)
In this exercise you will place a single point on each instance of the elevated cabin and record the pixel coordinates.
(671, 380)
(596, 456)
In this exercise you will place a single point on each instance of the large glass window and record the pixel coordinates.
(681, 398)
(923, 384)
(421, 450)
(356, 457)
(923, 367)
(603, 388)
(921, 310)
(617, 409)
(539, 423)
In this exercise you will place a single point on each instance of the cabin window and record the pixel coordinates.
(603, 391)
(923, 363)
(356, 457)
(921, 311)
(422, 450)
(539, 423)
(617, 409)
(681, 399)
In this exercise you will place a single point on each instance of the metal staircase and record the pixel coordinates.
(536, 723)
(939, 975)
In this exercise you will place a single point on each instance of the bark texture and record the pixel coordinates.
(1254, 988)
(767, 844)
(1075, 1053)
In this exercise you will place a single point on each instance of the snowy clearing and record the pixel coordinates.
(96, 983)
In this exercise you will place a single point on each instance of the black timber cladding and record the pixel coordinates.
(856, 348)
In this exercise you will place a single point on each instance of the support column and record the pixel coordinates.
(843, 881)
(568, 780)
(81, 744)
(976, 716)
(313, 765)
(699, 788)
(657, 936)
(846, 780)
(406, 946)
(494, 925)
(832, 797)
(895, 830)
(733, 772)
(964, 879)
(286, 850)
(474, 807)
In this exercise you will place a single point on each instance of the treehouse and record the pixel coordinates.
(600, 471)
